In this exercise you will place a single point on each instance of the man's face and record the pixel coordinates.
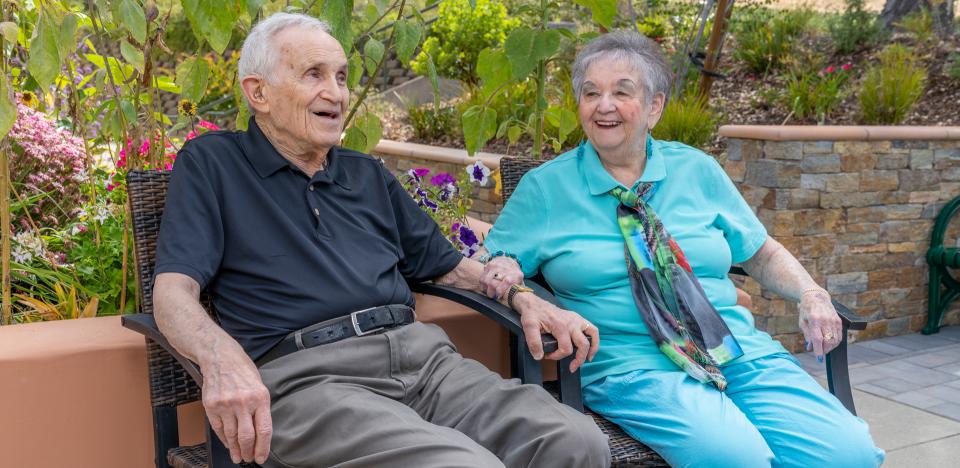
(308, 99)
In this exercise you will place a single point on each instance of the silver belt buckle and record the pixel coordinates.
(356, 325)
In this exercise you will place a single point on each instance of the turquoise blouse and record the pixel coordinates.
(560, 220)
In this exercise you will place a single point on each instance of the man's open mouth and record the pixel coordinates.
(328, 115)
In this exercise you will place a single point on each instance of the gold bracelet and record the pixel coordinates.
(514, 290)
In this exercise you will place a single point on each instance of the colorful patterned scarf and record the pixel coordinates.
(680, 318)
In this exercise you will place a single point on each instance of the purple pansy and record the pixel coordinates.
(478, 172)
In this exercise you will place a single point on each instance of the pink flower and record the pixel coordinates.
(846, 67)
(830, 69)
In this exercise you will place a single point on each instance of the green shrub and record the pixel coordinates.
(817, 94)
(458, 36)
(893, 86)
(919, 24)
(688, 120)
(765, 39)
(953, 66)
(855, 28)
(431, 123)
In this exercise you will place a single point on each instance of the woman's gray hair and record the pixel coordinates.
(641, 52)
(259, 55)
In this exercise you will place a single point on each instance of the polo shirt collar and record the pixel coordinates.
(266, 160)
(600, 182)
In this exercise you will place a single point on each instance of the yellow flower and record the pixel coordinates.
(498, 183)
(187, 107)
(29, 99)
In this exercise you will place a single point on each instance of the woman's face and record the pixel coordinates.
(612, 109)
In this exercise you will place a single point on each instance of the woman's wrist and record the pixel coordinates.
(814, 291)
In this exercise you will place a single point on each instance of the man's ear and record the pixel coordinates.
(253, 90)
(656, 110)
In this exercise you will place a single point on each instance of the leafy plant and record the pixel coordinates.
(953, 66)
(765, 38)
(687, 119)
(459, 34)
(919, 24)
(892, 86)
(446, 199)
(855, 28)
(817, 94)
(431, 122)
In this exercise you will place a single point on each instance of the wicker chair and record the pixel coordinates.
(943, 287)
(629, 452)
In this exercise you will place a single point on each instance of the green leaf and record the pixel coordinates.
(67, 41)
(372, 55)
(479, 126)
(338, 14)
(364, 133)
(354, 70)
(9, 30)
(408, 36)
(212, 21)
(132, 54)
(8, 108)
(44, 61)
(604, 11)
(525, 47)
(164, 83)
(192, 77)
(513, 134)
(493, 68)
(253, 7)
(130, 14)
(568, 123)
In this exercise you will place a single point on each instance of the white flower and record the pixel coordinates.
(478, 172)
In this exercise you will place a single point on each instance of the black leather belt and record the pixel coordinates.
(359, 323)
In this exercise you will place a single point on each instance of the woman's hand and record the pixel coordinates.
(819, 322)
(569, 328)
(498, 275)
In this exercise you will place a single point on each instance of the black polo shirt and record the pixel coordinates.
(279, 251)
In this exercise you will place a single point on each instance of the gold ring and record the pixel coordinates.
(828, 336)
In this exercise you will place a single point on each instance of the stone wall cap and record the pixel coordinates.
(838, 132)
(435, 153)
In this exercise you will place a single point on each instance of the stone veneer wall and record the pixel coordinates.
(856, 205)
(401, 157)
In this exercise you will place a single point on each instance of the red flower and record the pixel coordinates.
(846, 67)
(830, 69)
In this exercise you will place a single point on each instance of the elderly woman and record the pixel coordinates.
(637, 235)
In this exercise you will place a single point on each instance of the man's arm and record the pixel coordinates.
(536, 316)
(234, 397)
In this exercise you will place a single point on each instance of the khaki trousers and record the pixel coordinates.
(405, 398)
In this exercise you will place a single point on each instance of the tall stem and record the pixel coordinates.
(5, 230)
(372, 77)
(541, 84)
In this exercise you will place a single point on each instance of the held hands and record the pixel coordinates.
(238, 407)
(498, 275)
(819, 322)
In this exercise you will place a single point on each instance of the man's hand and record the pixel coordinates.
(569, 328)
(819, 322)
(498, 275)
(238, 406)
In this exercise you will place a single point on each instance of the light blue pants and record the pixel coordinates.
(771, 414)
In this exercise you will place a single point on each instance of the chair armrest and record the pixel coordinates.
(146, 325)
(850, 319)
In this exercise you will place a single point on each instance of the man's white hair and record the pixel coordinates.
(259, 55)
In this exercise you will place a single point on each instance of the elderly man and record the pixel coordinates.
(307, 249)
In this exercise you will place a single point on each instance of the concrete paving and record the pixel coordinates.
(908, 389)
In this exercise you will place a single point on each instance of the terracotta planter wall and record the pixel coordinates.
(856, 205)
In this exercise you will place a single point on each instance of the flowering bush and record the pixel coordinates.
(446, 199)
(818, 94)
(47, 168)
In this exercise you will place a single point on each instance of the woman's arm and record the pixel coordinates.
(777, 270)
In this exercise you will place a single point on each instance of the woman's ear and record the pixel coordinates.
(252, 87)
(656, 110)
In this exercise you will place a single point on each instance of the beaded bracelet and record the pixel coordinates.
(490, 256)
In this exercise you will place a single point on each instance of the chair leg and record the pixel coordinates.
(530, 371)
(570, 393)
(934, 311)
(838, 377)
(165, 433)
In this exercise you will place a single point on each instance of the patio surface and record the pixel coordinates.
(908, 389)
